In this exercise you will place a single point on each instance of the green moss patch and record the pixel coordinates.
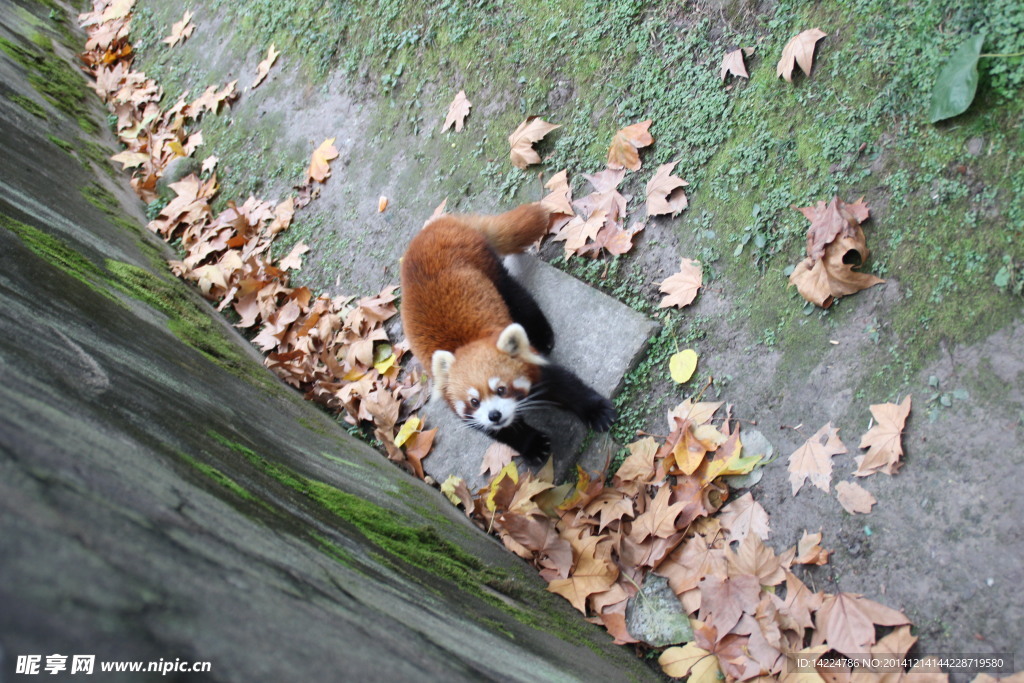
(54, 79)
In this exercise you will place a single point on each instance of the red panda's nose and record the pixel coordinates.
(494, 416)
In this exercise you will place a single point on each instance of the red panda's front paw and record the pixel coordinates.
(601, 414)
(536, 450)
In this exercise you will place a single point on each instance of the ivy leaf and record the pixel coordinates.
(957, 82)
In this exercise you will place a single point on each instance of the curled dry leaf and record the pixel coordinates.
(529, 131)
(681, 288)
(559, 200)
(625, 143)
(263, 68)
(733, 64)
(458, 110)
(799, 51)
(835, 246)
(665, 192)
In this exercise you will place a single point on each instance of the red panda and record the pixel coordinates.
(482, 335)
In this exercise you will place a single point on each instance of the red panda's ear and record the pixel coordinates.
(514, 342)
(440, 369)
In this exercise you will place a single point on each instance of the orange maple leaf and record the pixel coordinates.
(659, 519)
(744, 516)
(458, 110)
(682, 287)
(319, 166)
(532, 130)
(625, 143)
(799, 51)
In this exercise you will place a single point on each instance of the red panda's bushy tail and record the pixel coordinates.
(513, 231)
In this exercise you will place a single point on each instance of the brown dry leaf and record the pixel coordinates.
(577, 233)
(263, 68)
(832, 220)
(691, 562)
(623, 151)
(813, 460)
(846, 622)
(724, 600)
(733, 64)
(883, 440)
(659, 519)
(665, 192)
(690, 660)
(592, 574)
(854, 498)
(799, 51)
(638, 467)
(559, 201)
(212, 99)
(181, 30)
(611, 505)
(117, 9)
(293, 261)
(809, 550)
(496, 457)
(613, 239)
(532, 130)
(744, 516)
(681, 288)
(458, 110)
(319, 166)
(755, 558)
(418, 447)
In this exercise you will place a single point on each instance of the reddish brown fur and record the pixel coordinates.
(449, 298)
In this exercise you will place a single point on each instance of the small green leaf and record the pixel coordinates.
(957, 82)
(1003, 277)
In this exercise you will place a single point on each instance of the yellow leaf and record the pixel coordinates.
(682, 365)
(448, 488)
(690, 660)
(512, 472)
(176, 147)
(385, 365)
(411, 426)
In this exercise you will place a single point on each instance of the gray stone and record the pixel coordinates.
(655, 615)
(597, 337)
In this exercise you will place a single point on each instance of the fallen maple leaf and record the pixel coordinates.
(813, 460)
(883, 440)
(418, 447)
(532, 130)
(319, 166)
(559, 201)
(659, 519)
(625, 143)
(846, 621)
(733, 64)
(682, 287)
(458, 110)
(180, 30)
(496, 457)
(665, 192)
(854, 498)
(809, 550)
(592, 574)
(690, 660)
(263, 68)
(799, 51)
(724, 600)
(744, 516)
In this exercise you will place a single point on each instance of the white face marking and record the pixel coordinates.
(473, 393)
(460, 408)
(504, 413)
(494, 383)
(522, 384)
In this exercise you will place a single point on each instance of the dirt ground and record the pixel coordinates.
(944, 543)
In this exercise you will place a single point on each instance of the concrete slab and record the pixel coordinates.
(597, 337)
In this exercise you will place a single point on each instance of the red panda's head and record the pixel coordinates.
(485, 381)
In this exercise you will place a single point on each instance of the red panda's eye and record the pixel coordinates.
(500, 391)
(475, 402)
